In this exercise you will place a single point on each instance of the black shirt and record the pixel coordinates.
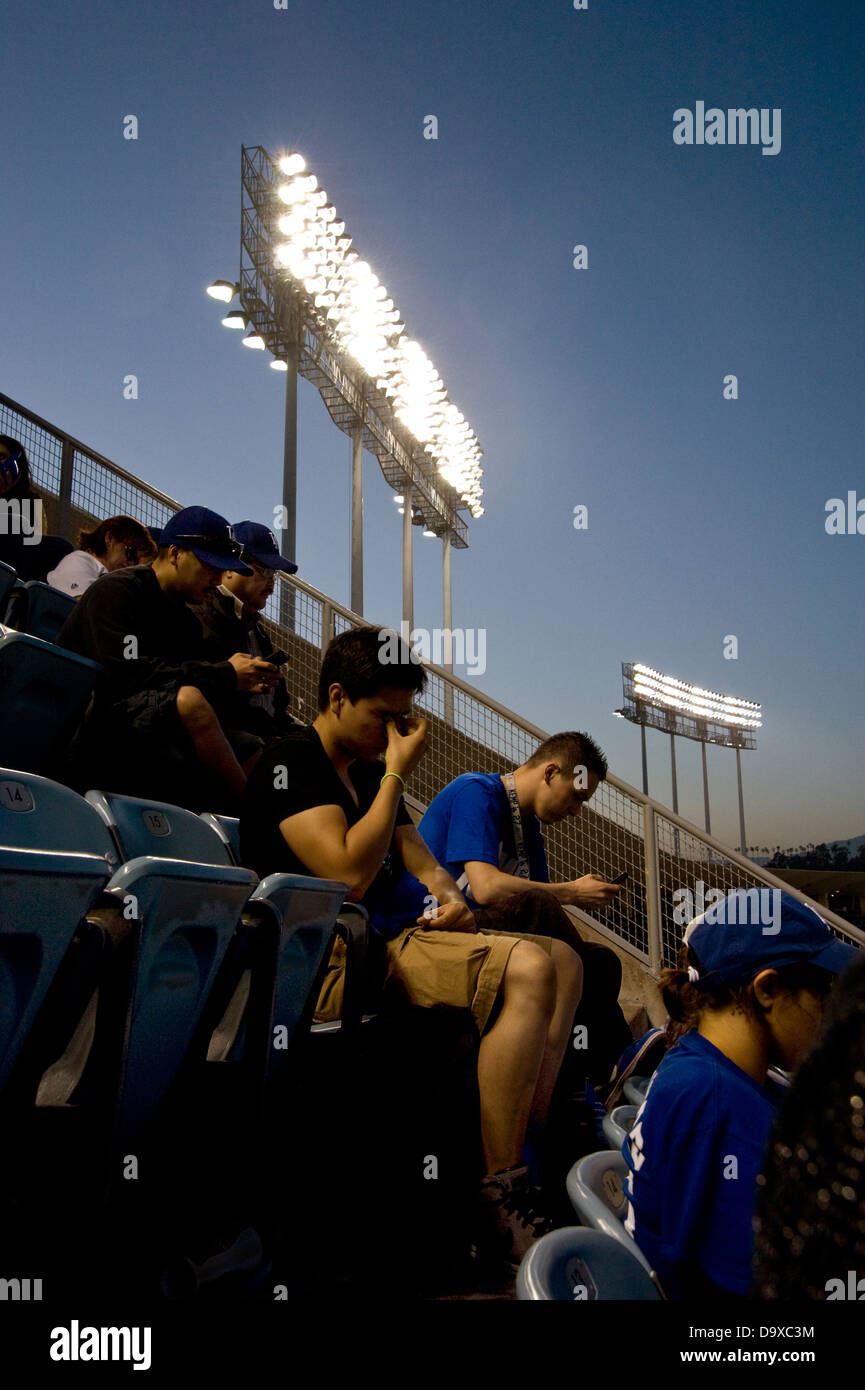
(296, 775)
(145, 639)
(264, 713)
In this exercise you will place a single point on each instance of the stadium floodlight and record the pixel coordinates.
(657, 701)
(254, 340)
(278, 364)
(235, 318)
(223, 290)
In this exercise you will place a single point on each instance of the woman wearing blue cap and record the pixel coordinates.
(749, 989)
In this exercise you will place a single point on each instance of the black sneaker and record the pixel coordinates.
(515, 1214)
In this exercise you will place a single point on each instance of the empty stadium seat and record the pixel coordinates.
(37, 813)
(38, 609)
(576, 1264)
(44, 692)
(228, 830)
(598, 1197)
(617, 1124)
(635, 1089)
(188, 914)
(43, 897)
(7, 583)
(154, 827)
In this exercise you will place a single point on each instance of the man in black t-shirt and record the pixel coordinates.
(154, 726)
(319, 802)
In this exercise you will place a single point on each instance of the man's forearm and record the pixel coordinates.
(368, 841)
(441, 885)
(503, 884)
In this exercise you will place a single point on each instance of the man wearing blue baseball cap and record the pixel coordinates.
(752, 977)
(156, 727)
(231, 617)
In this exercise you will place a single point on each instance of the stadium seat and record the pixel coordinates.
(7, 583)
(44, 692)
(38, 609)
(595, 1188)
(307, 910)
(228, 830)
(38, 814)
(617, 1124)
(43, 897)
(576, 1264)
(188, 915)
(635, 1089)
(154, 827)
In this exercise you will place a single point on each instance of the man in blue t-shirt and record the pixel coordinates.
(485, 828)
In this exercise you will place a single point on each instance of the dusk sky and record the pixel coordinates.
(601, 387)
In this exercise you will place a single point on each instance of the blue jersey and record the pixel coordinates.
(470, 819)
(695, 1150)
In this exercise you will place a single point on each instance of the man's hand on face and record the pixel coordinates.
(405, 750)
(593, 891)
(448, 917)
(253, 674)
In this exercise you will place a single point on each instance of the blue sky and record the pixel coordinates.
(600, 387)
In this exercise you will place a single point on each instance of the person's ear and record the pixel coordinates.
(766, 988)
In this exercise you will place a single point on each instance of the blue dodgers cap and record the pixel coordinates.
(207, 534)
(757, 929)
(259, 544)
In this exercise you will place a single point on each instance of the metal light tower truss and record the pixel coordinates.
(281, 314)
(663, 702)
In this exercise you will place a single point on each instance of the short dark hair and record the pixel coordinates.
(573, 750)
(355, 659)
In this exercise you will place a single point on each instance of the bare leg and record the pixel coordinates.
(211, 746)
(512, 1052)
(569, 988)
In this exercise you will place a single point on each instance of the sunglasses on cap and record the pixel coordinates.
(219, 545)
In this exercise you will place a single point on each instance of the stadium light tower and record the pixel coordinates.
(664, 702)
(306, 296)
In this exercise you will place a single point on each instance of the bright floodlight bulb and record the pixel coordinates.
(278, 365)
(291, 164)
(223, 290)
(253, 340)
(235, 318)
(290, 193)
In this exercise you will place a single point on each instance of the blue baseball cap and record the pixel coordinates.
(758, 929)
(207, 534)
(9, 470)
(259, 544)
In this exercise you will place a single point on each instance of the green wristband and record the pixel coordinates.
(392, 774)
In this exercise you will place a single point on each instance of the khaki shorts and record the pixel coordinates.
(434, 969)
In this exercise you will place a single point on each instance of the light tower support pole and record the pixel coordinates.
(357, 519)
(645, 760)
(407, 577)
(706, 788)
(288, 534)
(448, 618)
(741, 802)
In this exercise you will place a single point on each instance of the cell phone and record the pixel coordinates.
(278, 658)
(623, 878)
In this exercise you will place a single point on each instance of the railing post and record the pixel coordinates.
(653, 888)
(326, 626)
(64, 497)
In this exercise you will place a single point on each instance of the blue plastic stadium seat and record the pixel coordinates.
(154, 827)
(188, 914)
(595, 1187)
(43, 897)
(228, 830)
(307, 909)
(576, 1264)
(39, 609)
(635, 1089)
(36, 813)
(44, 692)
(617, 1124)
(7, 583)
